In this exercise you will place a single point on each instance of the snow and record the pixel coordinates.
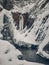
(41, 2)
(42, 45)
(8, 55)
(27, 8)
(6, 46)
(23, 9)
(1, 36)
(1, 20)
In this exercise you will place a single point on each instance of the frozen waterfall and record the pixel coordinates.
(21, 22)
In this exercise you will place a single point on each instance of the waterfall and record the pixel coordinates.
(21, 22)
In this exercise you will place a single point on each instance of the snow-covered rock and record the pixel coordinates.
(8, 50)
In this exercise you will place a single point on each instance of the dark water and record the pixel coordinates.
(29, 54)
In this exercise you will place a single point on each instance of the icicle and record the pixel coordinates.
(21, 22)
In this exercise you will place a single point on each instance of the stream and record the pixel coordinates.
(29, 54)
